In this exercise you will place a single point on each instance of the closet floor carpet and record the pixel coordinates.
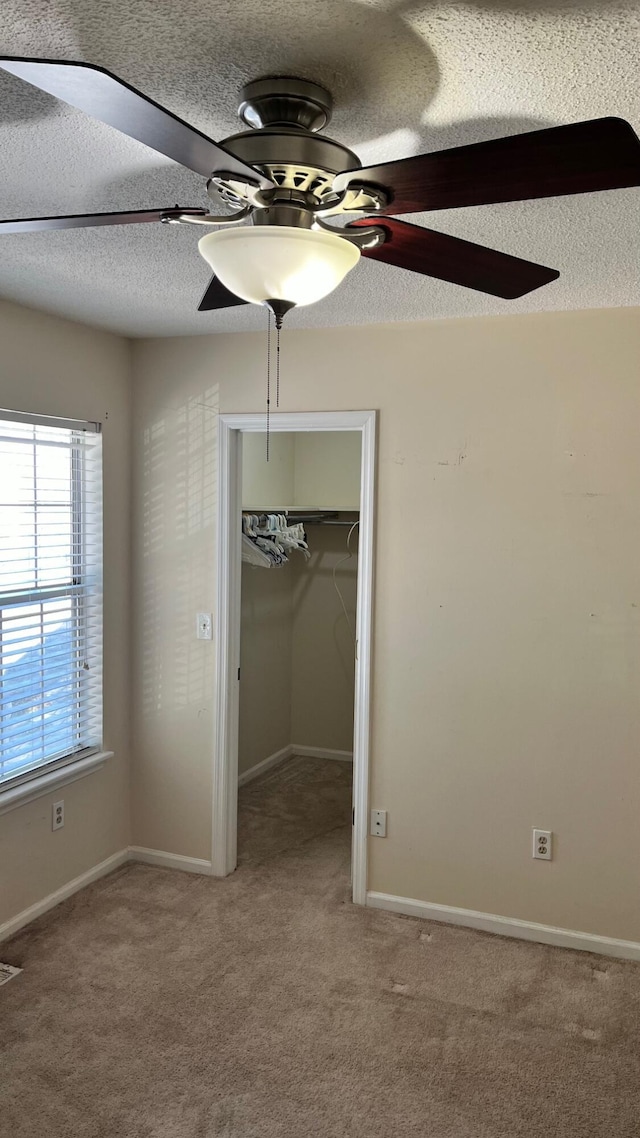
(296, 801)
(157, 1004)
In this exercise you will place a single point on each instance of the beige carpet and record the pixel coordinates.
(298, 800)
(157, 1004)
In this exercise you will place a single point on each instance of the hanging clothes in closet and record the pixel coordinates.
(268, 538)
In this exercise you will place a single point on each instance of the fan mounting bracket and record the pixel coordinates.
(369, 237)
(179, 217)
(356, 199)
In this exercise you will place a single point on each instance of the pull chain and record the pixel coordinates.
(268, 375)
(279, 308)
(278, 365)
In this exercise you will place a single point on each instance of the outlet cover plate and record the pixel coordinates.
(542, 845)
(379, 823)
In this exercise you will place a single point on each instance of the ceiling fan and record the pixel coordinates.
(280, 185)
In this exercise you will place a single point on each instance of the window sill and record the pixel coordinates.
(37, 787)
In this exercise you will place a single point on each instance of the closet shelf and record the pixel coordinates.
(313, 516)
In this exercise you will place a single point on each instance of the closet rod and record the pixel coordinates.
(335, 523)
(312, 518)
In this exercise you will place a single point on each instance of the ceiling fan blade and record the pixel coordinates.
(112, 101)
(216, 295)
(451, 259)
(602, 154)
(83, 220)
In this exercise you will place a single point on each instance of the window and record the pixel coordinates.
(50, 594)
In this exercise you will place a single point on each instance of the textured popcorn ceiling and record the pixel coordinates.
(406, 78)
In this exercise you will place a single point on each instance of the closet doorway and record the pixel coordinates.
(338, 464)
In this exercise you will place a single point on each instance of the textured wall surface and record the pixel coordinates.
(53, 367)
(407, 78)
(506, 648)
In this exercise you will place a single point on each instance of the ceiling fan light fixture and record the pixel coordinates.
(268, 263)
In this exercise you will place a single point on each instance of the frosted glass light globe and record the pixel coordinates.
(279, 262)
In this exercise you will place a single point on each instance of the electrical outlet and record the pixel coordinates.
(204, 626)
(379, 823)
(57, 815)
(542, 847)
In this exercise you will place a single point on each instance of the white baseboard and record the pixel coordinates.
(286, 753)
(505, 926)
(264, 765)
(27, 915)
(133, 853)
(321, 753)
(169, 860)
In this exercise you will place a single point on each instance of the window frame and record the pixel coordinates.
(38, 779)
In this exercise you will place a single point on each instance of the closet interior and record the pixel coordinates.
(300, 520)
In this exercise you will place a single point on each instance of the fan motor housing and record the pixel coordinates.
(291, 148)
(285, 114)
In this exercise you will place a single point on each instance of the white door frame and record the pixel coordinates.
(227, 626)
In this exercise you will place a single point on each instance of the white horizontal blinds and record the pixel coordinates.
(50, 593)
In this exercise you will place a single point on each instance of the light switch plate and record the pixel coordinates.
(204, 624)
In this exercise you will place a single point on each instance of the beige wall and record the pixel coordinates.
(327, 470)
(296, 648)
(297, 651)
(323, 657)
(268, 484)
(53, 367)
(266, 629)
(174, 503)
(306, 469)
(505, 685)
